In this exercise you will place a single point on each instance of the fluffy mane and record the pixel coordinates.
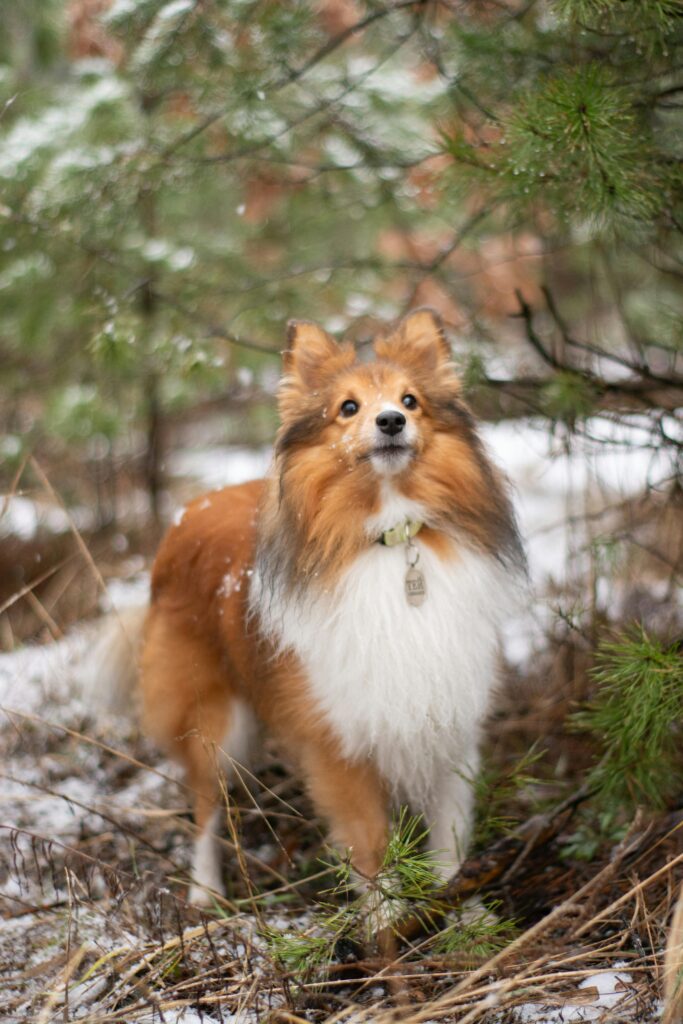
(322, 488)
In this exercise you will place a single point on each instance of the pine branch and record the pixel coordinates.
(296, 74)
(646, 390)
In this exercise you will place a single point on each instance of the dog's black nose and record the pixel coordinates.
(391, 422)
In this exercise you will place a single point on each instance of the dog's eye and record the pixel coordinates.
(410, 401)
(349, 408)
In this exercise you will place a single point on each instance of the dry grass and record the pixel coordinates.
(94, 858)
(96, 926)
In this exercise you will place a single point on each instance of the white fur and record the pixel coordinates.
(406, 686)
(235, 752)
(240, 739)
(206, 865)
(390, 465)
(448, 810)
(108, 672)
(395, 508)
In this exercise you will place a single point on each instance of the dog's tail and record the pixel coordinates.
(108, 671)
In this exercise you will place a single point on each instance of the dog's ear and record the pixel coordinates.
(419, 340)
(312, 355)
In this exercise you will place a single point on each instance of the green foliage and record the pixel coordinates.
(408, 872)
(568, 396)
(478, 931)
(407, 883)
(217, 169)
(575, 142)
(643, 18)
(77, 413)
(303, 953)
(594, 831)
(635, 718)
(496, 789)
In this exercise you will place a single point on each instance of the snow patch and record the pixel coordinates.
(611, 986)
(220, 466)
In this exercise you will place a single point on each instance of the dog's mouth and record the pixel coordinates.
(389, 452)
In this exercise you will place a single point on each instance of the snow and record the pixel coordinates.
(120, 9)
(611, 986)
(552, 482)
(187, 1015)
(214, 467)
(556, 480)
(28, 136)
(160, 250)
(27, 518)
(24, 518)
(32, 677)
(61, 796)
(126, 593)
(174, 9)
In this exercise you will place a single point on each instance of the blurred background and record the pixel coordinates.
(178, 178)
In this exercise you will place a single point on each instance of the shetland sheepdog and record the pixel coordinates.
(349, 605)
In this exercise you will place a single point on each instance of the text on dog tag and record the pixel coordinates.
(416, 590)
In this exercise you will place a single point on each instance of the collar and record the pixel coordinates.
(400, 534)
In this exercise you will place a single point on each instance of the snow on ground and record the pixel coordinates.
(219, 465)
(67, 801)
(556, 485)
(56, 786)
(611, 987)
(39, 676)
(24, 518)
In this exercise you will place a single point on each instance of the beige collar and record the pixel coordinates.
(400, 534)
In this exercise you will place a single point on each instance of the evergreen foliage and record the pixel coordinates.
(179, 179)
(497, 790)
(635, 719)
(407, 883)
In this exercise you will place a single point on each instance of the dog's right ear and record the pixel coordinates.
(313, 356)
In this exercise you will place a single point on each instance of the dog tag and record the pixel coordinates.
(416, 590)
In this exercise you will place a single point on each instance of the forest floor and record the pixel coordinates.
(95, 829)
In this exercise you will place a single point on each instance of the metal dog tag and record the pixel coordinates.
(416, 590)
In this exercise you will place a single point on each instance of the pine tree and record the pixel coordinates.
(179, 179)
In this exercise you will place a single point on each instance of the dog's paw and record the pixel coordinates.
(474, 911)
(202, 897)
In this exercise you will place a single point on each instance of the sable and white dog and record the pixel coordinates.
(350, 603)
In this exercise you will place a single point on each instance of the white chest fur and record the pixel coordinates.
(404, 685)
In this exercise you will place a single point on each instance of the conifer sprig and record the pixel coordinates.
(408, 882)
(635, 718)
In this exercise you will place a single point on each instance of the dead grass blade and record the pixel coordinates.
(673, 967)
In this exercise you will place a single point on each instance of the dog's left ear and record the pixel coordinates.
(419, 339)
(313, 355)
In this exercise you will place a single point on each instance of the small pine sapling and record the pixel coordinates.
(635, 718)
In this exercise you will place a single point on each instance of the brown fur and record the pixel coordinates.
(200, 653)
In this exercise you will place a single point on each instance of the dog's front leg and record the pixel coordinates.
(352, 799)
(449, 813)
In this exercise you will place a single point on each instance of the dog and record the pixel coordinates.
(350, 604)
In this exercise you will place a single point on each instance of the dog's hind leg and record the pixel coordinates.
(205, 767)
(191, 710)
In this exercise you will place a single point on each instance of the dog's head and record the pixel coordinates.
(356, 422)
(376, 417)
